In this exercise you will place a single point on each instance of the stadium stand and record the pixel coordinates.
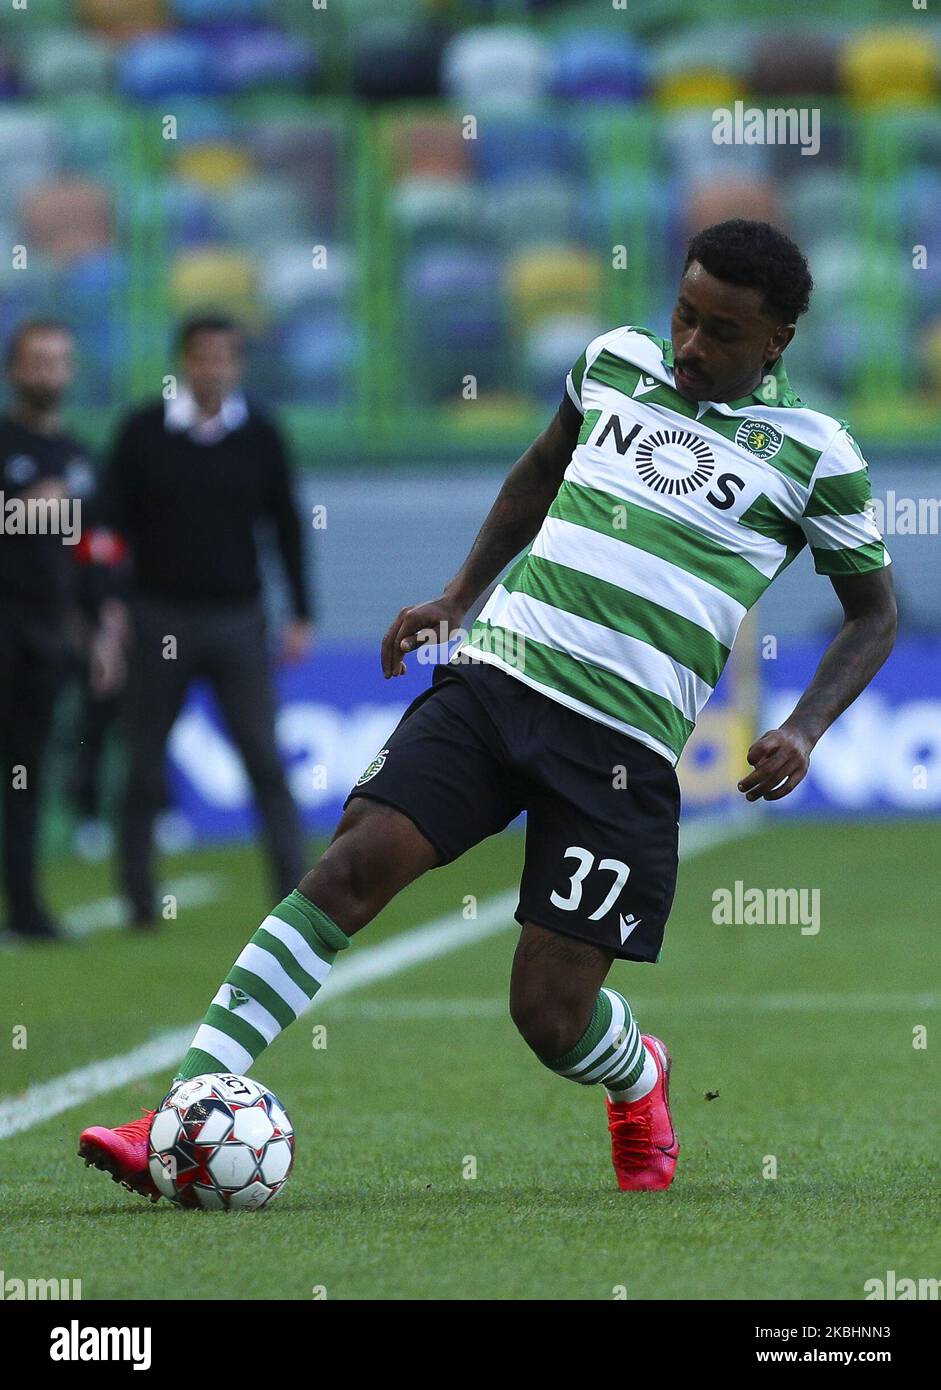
(398, 203)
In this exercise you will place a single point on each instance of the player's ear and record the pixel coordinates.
(779, 340)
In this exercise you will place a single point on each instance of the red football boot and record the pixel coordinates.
(644, 1146)
(122, 1152)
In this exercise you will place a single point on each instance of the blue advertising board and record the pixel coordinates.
(336, 710)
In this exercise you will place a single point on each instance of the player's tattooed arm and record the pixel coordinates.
(519, 510)
(780, 758)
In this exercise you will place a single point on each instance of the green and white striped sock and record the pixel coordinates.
(273, 980)
(610, 1052)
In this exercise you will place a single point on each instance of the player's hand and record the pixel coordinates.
(296, 641)
(780, 759)
(435, 621)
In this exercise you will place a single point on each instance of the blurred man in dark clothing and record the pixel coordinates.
(42, 472)
(189, 480)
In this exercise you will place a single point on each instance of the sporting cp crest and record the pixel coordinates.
(759, 438)
(375, 766)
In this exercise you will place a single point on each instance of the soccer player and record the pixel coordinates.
(676, 481)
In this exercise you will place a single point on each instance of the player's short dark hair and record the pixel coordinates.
(37, 325)
(206, 323)
(758, 256)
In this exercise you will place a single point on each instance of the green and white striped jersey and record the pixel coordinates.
(672, 519)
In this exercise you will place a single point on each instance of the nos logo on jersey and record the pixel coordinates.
(759, 438)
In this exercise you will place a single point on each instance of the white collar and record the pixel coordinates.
(181, 414)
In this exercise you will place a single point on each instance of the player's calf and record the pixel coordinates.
(587, 1033)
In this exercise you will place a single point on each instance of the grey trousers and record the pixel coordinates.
(225, 645)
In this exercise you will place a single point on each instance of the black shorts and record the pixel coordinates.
(479, 746)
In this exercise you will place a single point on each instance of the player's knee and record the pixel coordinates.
(547, 1026)
(343, 885)
(350, 880)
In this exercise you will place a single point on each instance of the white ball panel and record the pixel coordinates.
(252, 1127)
(277, 1160)
(232, 1165)
(216, 1127)
(161, 1177)
(256, 1195)
(164, 1130)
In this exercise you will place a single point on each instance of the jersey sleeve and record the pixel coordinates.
(839, 518)
(573, 384)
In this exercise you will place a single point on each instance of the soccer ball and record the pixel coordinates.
(220, 1142)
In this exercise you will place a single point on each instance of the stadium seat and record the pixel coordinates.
(289, 281)
(498, 64)
(453, 273)
(120, 19)
(843, 269)
(515, 146)
(703, 88)
(782, 62)
(298, 148)
(550, 349)
(701, 47)
(394, 57)
(213, 166)
(889, 66)
(190, 215)
(455, 320)
(248, 59)
(688, 151)
(91, 137)
(158, 66)
(552, 280)
(917, 197)
(640, 209)
(220, 11)
(429, 210)
(28, 137)
(90, 280)
(598, 65)
(215, 278)
(64, 62)
(318, 354)
(433, 147)
(249, 210)
(531, 210)
(816, 198)
(203, 121)
(67, 218)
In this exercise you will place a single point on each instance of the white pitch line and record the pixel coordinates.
(102, 914)
(430, 941)
(190, 890)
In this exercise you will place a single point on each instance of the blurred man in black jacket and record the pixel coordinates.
(43, 474)
(189, 480)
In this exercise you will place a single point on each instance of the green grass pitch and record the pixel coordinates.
(808, 1040)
